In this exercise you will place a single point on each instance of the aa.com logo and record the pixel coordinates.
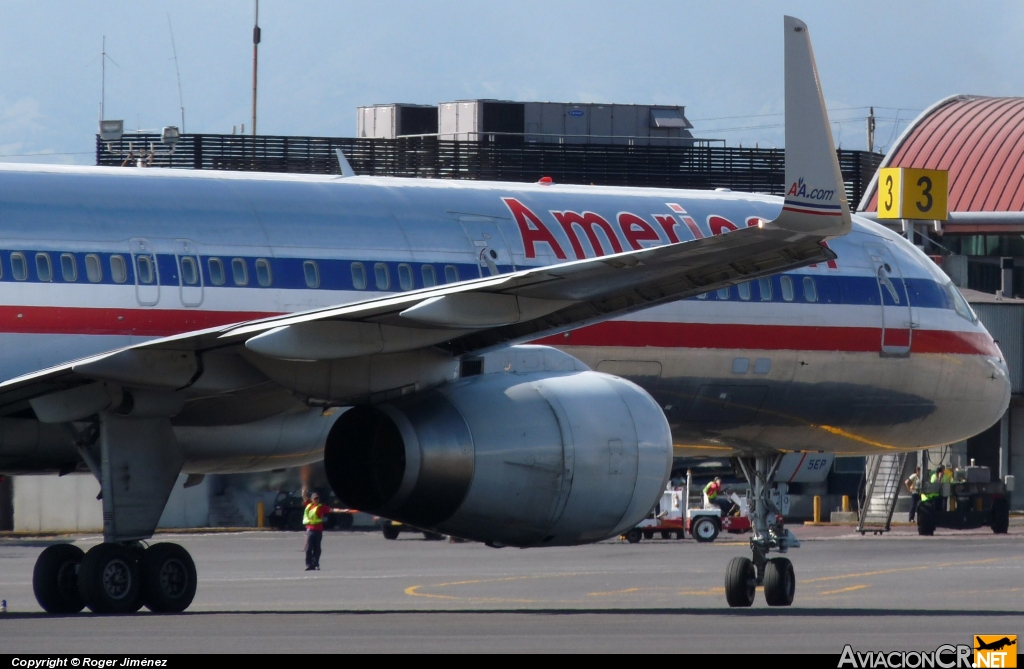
(989, 650)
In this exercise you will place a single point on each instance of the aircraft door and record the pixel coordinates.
(190, 273)
(146, 271)
(492, 252)
(897, 327)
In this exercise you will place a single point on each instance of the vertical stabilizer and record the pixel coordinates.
(346, 169)
(815, 194)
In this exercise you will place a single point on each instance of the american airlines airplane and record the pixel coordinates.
(509, 363)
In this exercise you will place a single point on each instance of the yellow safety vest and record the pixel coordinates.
(310, 517)
(931, 495)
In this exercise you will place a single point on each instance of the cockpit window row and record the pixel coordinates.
(225, 271)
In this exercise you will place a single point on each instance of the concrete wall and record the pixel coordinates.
(68, 503)
(1017, 455)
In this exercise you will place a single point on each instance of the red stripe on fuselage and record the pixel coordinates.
(93, 321)
(636, 334)
(628, 334)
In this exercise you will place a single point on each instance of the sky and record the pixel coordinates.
(320, 59)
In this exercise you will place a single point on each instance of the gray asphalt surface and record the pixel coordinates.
(892, 592)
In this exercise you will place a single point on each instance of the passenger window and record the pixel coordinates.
(93, 268)
(787, 288)
(744, 290)
(19, 266)
(189, 271)
(723, 293)
(118, 269)
(312, 273)
(216, 271)
(451, 274)
(239, 272)
(810, 289)
(263, 275)
(382, 276)
(68, 267)
(429, 276)
(358, 276)
(144, 267)
(405, 277)
(44, 270)
(765, 287)
(702, 296)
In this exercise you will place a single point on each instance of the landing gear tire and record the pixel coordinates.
(925, 520)
(779, 582)
(109, 579)
(55, 579)
(740, 582)
(432, 536)
(390, 532)
(168, 578)
(1000, 515)
(634, 536)
(704, 530)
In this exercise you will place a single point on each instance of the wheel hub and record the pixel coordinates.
(117, 579)
(173, 578)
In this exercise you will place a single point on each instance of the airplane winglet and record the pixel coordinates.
(816, 202)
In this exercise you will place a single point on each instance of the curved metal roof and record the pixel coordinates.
(980, 140)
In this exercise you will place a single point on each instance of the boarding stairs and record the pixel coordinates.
(883, 478)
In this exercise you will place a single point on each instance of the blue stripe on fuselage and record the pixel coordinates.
(336, 274)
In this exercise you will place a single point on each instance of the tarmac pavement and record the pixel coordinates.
(891, 592)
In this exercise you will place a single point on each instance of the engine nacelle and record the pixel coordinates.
(508, 458)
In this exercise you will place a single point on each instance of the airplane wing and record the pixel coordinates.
(480, 314)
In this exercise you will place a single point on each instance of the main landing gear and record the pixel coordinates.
(115, 578)
(136, 461)
(776, 575)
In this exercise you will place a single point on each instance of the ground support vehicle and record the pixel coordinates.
(673, 516)
(289, 506)
(972, 500)
(666, 519)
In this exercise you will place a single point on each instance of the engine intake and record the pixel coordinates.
(519, 459)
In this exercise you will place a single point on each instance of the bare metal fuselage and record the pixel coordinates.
(870, 353)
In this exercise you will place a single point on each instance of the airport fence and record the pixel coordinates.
(506, 159)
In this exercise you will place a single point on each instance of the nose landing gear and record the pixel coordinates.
(776, 575)
(114, 578)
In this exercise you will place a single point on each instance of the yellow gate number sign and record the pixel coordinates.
(904, 192)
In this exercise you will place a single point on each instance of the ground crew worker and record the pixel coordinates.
(712, 492)
(913, 483)
(934, 498)
(313, 519)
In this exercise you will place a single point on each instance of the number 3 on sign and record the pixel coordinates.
(913, 193)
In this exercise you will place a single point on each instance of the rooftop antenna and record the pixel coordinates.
(177, 72)
(103, 77)
(255, 54)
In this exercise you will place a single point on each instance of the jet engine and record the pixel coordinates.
(556, 456)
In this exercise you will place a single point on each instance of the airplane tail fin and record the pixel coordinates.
(816, 202)
(346, 169)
